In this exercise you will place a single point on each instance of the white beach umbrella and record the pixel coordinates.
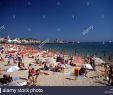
(98, 60)
(88, 66)
(13, 69)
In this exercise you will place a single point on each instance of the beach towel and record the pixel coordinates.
(15, 78)
(62, 66)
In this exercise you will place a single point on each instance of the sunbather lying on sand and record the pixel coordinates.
(22, 66)
(6, 79)
(33, 75)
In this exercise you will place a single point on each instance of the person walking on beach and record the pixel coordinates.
(9, 58)
(110, 57)
(20, 59)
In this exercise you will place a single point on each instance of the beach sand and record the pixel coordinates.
(58, 78)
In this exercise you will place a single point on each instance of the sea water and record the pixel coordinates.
(83, 49)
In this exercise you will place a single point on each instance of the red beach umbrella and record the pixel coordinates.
(78, 60)
(22, 52)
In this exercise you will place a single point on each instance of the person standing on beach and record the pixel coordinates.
(9, 59)
(93, 63)
(110, 57)
(75, 51)
(90, 61)
(19, 61)
(110, 72)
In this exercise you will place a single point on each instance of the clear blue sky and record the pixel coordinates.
(63, 19)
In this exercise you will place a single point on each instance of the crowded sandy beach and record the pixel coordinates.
(23, 65)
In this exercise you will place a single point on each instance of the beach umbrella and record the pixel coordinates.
(88, 66)
(98, 60)
(13, 69)
(78, 60)
(22, 52)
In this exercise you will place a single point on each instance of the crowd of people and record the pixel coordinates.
(62, 61)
